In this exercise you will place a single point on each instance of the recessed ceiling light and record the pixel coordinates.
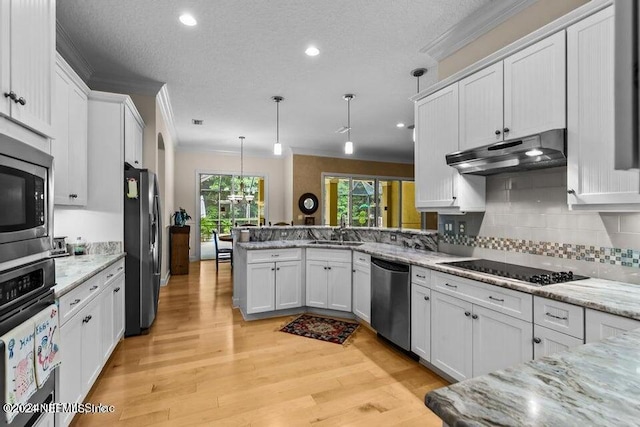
(188, 20)
(197, 121)
(312, 51)
(400, 125)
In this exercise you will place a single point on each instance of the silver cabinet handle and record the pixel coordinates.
(362, 259)
(537, 340)
(467, 313)
(556, 317)
(120, 268)
(273, 269)
(328, 268)
(496, 299)
(451, 286)
(74, 302)
(109, 276)
(475, 316)
(274, 255)
(354, 270)
(93, 288)
(426, 298)
(116, 289)
(422, 277)
(87, 319)
(571, 191)
(278, 268)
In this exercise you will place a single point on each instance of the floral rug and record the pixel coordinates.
(321, 328)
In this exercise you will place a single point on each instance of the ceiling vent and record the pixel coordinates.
(197, 122)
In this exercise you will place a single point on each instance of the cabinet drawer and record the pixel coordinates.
(559, 316)
(271, 255)
(340, 255)
(507, 301)
(71, 303)
(547, 342)
(112, 272)
(421, 276)
(601, 325)
(361, 259)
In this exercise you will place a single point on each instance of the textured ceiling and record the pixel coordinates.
(242, 52)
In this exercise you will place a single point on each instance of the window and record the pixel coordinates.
(369, 202)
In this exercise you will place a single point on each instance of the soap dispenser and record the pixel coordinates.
(80, 247)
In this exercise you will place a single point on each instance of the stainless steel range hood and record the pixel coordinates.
(545, 150)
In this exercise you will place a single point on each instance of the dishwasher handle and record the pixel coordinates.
(391, 266)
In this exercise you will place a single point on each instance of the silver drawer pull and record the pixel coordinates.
(120, 268)
(422, 277)
(93, 288)
(451, 286)
(116, 289)
(556, 317)
(362, 259)
(496, 299)
(75, 302)
(109, 276)
(275, 254)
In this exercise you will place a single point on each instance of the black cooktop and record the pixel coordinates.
(512, 271)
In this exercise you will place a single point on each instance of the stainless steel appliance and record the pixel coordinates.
(26, 203)
(544, 150)
(391, 301)
(536, 276)
(24, 292)
(143, 245)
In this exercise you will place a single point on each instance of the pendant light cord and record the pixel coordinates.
(349, 119)
(277, 122)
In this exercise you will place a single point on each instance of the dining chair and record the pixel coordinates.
(227, 253)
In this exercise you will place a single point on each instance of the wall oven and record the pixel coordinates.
(26, 203)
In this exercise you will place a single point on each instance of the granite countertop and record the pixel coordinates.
(594, 384)
(71, 271)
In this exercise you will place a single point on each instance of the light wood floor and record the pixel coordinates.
(201, 364)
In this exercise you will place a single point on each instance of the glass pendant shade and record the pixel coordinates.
(277, 149)
(348, 147)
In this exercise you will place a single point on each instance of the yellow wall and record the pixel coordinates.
(307, 176)
(410, 216)
(530, 19)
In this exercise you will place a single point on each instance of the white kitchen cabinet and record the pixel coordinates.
(27, 61)
(535, 88)
(599, 325)
(440, 187)
(421, 321)
(328, 279)
(481, 107)
(451, 335)
(592, 181)
(499, 341)
(288, 284)
(261, 282)
(118, 309)
(339, 286)
(91, 338)
(69, 386)
(47, 419)
(547, 341)
(316, 283)
(69, 146)
(362, 286)
(133, 138)
(107, 324)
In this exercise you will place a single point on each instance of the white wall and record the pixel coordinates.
(188, 163)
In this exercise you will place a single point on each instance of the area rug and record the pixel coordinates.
(321, 328)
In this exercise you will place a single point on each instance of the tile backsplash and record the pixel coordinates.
(527, 221)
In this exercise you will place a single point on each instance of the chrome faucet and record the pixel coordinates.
(343, 224)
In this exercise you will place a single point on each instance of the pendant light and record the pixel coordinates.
(235, 198)
(277, 147)
(348, 146)
(417, 73)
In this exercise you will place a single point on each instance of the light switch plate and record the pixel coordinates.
(462, 228)
(393, 237)
(448, 227)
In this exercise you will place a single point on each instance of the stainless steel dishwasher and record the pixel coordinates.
(391, 301)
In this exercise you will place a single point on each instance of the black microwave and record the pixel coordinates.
(26, 202)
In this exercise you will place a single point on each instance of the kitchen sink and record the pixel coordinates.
(336, 242)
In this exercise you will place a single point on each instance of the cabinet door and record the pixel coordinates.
(138, 146)
(118, 309)
(339, 286)
(599, 325)
(91, 336)
(436, 119)
(499, 341)
(60, 144)
(78, 119)
(69, 385)
(33, 32)
(132, 139)
(107, 302)
(421, 321)
(590, 117)
(288, 284)
(547, 341)
(5, 57)
(451, 335)
(535, 88)
(316, 283)
(362, 292)
(481, 107)
(261, 279)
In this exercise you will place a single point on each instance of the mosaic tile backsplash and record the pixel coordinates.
(527, 221)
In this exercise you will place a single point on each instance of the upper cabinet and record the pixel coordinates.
(439, 186)
(27, 61)
(69, 146)
(133, 136)
(592, 181)
(520, 96)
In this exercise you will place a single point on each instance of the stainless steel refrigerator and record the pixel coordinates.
(143, 245)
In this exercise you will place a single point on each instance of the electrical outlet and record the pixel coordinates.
(393, 237)
(283, 234)
(448, 227)
(462, 228)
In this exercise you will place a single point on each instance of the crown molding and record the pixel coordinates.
(68, 50)
(70, 72)
(559, 24)
(473, 26)
(164, 103)
(119, 84)
(117, 98)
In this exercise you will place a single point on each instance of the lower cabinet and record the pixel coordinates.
(599, 325)
(274, 285)
(69, 382)
(547, 341)
(362, 286)
(261, 285)
(469, 340)
(288, 284)
(328, 279)
(421, 321)
(91, 339)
